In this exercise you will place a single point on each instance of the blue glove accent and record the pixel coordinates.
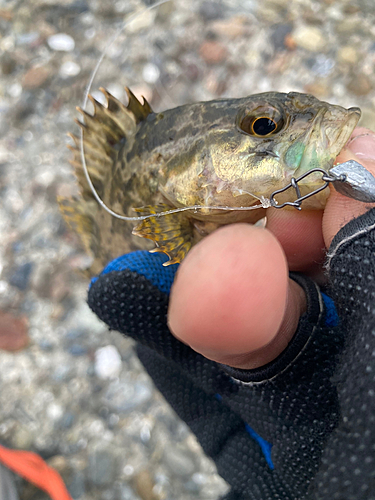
(264, 445)
(150, 265)
(332, 318)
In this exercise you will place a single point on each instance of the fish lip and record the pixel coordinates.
(353, 111)
(348, 117)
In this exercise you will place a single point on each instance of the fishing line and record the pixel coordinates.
(265, 203)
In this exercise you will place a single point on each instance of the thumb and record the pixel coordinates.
(232, 300)
(339, 209)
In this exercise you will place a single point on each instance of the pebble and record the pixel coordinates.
(309, 38)
(124, 396)
(359, 84)
(13, 332)
(76, 486)
(108, 362)
(179, 461)
(323, 65)
(101, 467)
(69, 69)
(231, 28)
(20, 276)
(349, 25)
(348, 55)
(61, 42)
(150, 73)
(145, 485)
(211, 10)
(7, 64)
(15, 90)
(278, 35)
(77, 350)
(22, 438)
(213, 52)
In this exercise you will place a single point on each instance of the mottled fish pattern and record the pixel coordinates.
(226, 152)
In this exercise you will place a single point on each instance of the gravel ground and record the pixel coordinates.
(74, 392)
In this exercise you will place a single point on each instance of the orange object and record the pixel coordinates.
(33, 468)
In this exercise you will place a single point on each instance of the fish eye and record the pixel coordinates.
(262, 122)
(263, 126)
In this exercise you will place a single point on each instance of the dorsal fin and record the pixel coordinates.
(103, 133)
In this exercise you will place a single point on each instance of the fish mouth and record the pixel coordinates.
(331, 130)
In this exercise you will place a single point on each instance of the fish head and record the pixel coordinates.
(274, 137)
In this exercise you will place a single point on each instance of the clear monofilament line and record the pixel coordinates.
(264, 202)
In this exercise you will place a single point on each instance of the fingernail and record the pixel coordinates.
(363, 146)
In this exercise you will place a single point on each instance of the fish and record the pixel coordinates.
(228, 153)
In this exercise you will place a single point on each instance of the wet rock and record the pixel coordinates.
(107, 362)
(77, 350)
(20, 277)
(211, 10)
(69, 69)
(101, 467)
(61, 42)
(231, 28)
(13, 332)
(213, 52)
(359, 84)
(144, 485)
(279, 34)
(41, 280)
(22, 438)
(35, 77)
(142, 22)
(309, 38)
(322, 65)
(349, 25)
(348, 55)
(318, 88)
(125, 395)
(59, 287)
(76, 487)
(179, 461)
(66, 421)
(7, 64)
(150, 73)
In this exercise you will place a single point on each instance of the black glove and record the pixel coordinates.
(266, 428)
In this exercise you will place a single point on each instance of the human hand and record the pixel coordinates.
(233, 300)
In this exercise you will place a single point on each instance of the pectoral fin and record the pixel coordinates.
(172, 233)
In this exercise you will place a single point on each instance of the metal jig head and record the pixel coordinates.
(349, 178)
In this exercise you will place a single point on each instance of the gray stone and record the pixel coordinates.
(66, 421)
(211, 10)
(20, 277)
(77, 350)
(278, 34)
(179, 461)
(101, 467)
(124, 396)
(76, 487)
